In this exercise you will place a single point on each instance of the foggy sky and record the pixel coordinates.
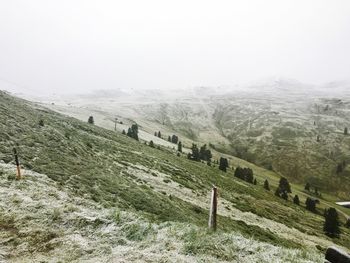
(81, 45)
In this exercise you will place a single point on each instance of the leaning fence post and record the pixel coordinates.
(213, 208)
(18, 176)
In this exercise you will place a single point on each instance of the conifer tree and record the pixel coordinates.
(223, 164)
(169, 138)
(346, 131)
(179, 147)
(255, 181)
(331, 224)
(310, 204)
(284, 185)
(159, 134)
(267, 185)
(296, 200)
(91, 120)
(174, 139)
(151, 143)
(123, 132)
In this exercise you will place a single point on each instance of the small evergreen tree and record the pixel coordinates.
(159, 134)
(296, 200)
(205, 154)
(346, 131)
(267, 185)
(223, 164)
(310, 204)
(169, 138)
(284, 185)
(123, 132)
(331, 224)
(318, 138)
(155, 134)
(151, 143)
(41, 123)
(174, 139)
(255, 181)
(91, 120)
(179, 147)
(307, 187)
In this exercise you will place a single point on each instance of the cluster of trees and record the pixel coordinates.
(158, 134)
(331, 224)
(308, 188)
(245, 174)
(202, 153)
(133, 132)
(173, 139)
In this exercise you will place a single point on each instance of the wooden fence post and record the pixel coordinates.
(18, 176)
(213, 209)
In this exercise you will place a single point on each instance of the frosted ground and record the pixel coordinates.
(78, 230)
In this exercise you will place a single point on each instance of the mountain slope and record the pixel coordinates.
(117, 172)
(267, 123)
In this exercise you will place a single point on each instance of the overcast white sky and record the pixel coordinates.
(80, 45)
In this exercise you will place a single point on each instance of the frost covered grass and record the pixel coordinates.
(43, 221)
(92, 171)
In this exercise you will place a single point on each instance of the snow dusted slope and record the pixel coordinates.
(42, 221)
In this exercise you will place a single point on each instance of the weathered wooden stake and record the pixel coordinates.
(18, 176)
(213, 208)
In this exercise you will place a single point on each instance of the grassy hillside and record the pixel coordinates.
(115, 171)
(265, 127)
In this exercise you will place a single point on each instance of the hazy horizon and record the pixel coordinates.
(81, 46)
